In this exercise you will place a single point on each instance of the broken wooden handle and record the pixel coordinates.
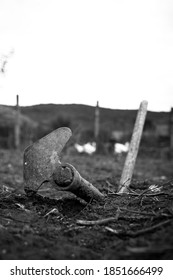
(67, 178)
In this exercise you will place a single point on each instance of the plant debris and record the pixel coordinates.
(57, 225)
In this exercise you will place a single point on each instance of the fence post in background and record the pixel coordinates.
(97, 125)
(17, 125)
(171, 132)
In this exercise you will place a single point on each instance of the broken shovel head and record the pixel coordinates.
(42, 158)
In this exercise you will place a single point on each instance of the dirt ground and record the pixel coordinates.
(54, 225)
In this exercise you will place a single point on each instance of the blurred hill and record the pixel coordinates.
(80, 118)
(84, 115)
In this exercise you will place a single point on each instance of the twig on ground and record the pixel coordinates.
(22, 207)
(148, 250)
(167, 183)
(109, 184)
(140, 195)
(76, 228)
(162, 185)
(153, 214)
(156, 194)
(138, 212)
(110, 219)
(99, 222)
(126, 193)
(12, 219)
(139, 232)
(54, 211)
(143, 195)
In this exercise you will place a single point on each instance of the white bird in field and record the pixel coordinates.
(121, 148)
(88, 148)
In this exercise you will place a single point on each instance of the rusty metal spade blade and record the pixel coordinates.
(42, 158)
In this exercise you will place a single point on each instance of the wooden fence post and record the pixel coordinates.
(133, 149)
(97, 122)
(171, 132)
(97, 126)
(17, 125)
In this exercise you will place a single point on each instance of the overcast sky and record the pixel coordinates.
(119, 52)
